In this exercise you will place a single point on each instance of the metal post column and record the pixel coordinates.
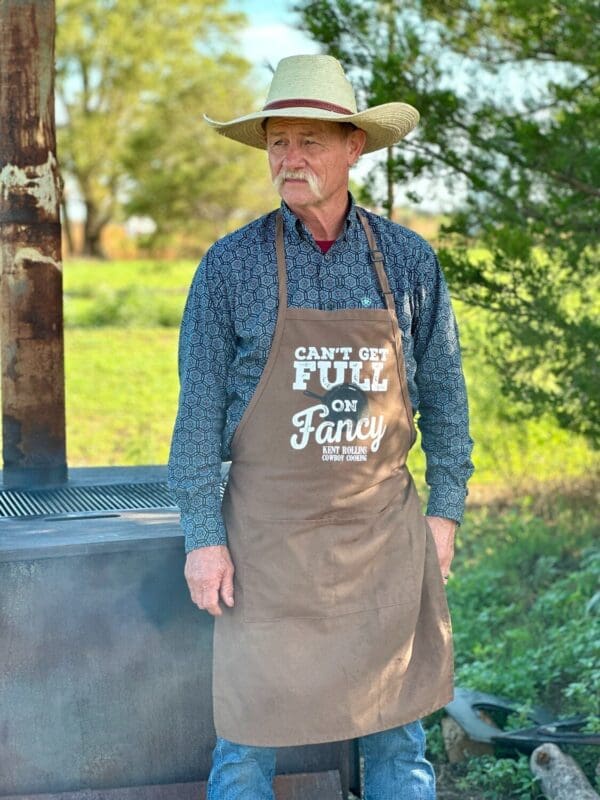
(33, 400)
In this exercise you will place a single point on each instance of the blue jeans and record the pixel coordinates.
(395, 768)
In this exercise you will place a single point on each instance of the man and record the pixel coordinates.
(310, 339)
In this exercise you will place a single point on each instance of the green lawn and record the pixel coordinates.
(121, 367)
(125, 293)
(121, 388)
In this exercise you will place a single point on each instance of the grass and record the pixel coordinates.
(121, 337)
(121, 373)
(121, 389)
(125, 293)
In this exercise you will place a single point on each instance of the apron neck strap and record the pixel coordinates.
(376, 259)
(281, 270)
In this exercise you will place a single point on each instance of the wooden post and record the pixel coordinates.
(33, 401)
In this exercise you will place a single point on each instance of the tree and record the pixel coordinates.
(120, 68)
(508, 92)
(185, 176)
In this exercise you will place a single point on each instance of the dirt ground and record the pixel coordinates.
(446, 786)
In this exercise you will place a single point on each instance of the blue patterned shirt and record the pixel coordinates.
(226, 334)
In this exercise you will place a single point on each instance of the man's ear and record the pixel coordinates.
(356, 143)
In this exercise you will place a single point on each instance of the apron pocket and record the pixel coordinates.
(322, 568)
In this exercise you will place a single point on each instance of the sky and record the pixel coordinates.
(271, 35)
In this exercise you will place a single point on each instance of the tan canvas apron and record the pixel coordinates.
(340, 626)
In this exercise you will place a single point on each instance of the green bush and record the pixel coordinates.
(523, 624)
(131, 306)
(526, 618)
(126, 294)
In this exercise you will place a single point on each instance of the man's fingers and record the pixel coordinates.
(206, 597)
(227, 588)
(209, 601)
(446, 564)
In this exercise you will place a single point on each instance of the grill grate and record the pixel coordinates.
(82, 499)
(76, 499)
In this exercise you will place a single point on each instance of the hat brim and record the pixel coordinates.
(384, 125)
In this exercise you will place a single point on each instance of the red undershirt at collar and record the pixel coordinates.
(324, 244)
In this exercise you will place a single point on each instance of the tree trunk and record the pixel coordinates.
(389, 204)
(390, 12)
(66, 226)
(560, 776)
(92, 231)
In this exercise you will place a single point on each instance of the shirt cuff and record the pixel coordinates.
(202, 531)
(447, 503)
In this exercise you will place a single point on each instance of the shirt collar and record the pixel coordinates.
(291, 223)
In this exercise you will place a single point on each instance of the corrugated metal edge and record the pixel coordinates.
(88, 498)
(73, 499)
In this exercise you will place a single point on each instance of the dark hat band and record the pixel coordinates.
(301, 103)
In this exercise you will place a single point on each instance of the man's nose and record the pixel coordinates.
(294, 156)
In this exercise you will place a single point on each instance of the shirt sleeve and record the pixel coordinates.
(443, 408)
(206, 349)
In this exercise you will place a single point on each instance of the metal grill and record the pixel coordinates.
(77, 499)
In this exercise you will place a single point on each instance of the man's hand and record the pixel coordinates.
(209, 575)
(443, 534)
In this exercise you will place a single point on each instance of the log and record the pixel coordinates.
(560, 776)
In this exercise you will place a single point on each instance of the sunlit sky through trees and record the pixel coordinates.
(272, 32)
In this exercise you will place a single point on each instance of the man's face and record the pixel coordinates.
(310, 160)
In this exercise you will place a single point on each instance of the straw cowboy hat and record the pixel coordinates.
(315, 87)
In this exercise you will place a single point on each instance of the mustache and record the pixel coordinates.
(298, 174)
